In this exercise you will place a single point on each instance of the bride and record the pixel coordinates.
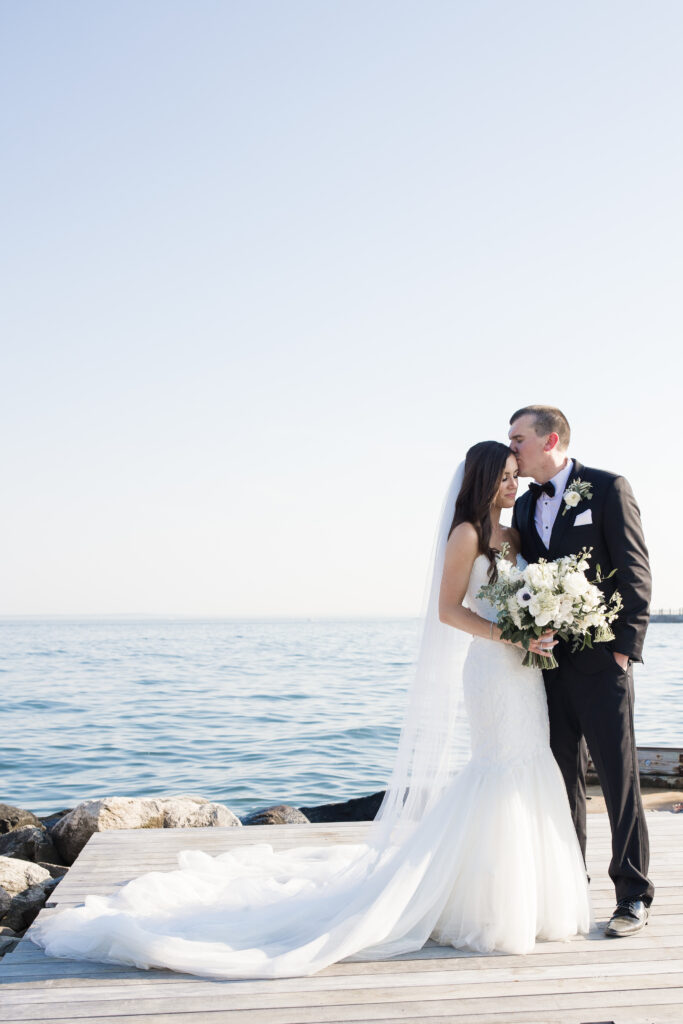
(473, 846)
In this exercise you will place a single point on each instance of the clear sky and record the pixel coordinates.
(270, 267)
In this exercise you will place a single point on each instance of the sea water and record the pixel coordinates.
(248, 713)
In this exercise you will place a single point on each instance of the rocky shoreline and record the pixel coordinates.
(36, 852)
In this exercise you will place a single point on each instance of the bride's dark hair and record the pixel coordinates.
(484, 467)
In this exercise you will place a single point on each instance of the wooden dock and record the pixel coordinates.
(584, 981)
(660, 767)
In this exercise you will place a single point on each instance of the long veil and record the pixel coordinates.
(434, 740)
(253, 912)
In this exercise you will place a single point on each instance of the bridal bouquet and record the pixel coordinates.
(551, 595)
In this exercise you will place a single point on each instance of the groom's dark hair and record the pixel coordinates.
(547, 420)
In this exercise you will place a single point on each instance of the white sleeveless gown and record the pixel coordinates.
(495, 866)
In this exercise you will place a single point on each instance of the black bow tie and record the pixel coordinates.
(538, 489)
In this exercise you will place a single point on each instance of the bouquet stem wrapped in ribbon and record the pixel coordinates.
(551, 595)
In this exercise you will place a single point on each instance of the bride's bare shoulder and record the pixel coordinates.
(464, 535)
(463, 543)
(461, 553)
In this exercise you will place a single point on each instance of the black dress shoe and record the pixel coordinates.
(629, 917)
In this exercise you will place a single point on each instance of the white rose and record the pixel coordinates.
(576, 584)
(572, 498)
(593, 597)
(544, 607)
(544, 617)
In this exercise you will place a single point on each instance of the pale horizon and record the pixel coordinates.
(270, 270)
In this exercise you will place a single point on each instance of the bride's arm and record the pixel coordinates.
(461, 550)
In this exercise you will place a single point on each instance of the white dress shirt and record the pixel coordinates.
(547, 507)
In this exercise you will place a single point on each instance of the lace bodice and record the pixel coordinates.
(505, 702)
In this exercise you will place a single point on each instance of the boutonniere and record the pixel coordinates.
(578, 490)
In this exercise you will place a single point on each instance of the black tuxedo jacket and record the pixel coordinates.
(616, 536)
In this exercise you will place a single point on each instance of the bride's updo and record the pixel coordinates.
(484, 467)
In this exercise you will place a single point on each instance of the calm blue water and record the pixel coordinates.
(246, 713)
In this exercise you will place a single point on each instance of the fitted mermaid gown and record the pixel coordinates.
(495, 865)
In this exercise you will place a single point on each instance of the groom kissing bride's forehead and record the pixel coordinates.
(570, 506)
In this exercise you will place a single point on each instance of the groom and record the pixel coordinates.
(590, 694)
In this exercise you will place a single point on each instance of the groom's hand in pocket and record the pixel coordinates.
(621, 660)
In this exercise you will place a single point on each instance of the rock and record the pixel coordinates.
(29, 843)
(282, 814)
(8, 939)
(17, 875)
(5, 900)
(362, 808)
(188, 812)
(50, 820)
(7, 944)
(56, 870)
(73, 831)
(26, 905)
(14, 817)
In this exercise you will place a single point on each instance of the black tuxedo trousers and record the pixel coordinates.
(599, 707)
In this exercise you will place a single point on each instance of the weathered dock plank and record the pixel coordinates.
(634, 981)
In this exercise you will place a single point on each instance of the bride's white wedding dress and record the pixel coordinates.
(493, 865)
